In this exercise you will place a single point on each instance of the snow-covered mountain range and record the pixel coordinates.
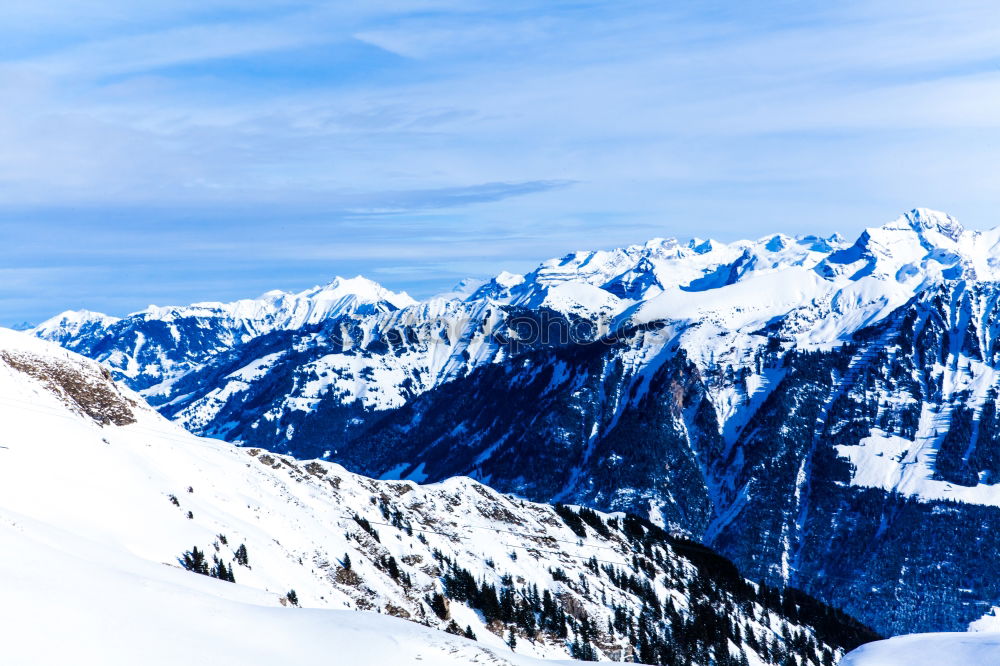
(821, 411)
(104, 504)
(355, 342)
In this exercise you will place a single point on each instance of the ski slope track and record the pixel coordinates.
(102, 500)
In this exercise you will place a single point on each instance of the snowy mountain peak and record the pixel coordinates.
(918, 248)
(823, 244)
(508, 280)
(927, 228)
(777, 243)
(925, 219)
(701, 246)
(71, 323)
(661, 244)
(362, 290)
(77, 317)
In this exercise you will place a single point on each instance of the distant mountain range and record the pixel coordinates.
(820, 411)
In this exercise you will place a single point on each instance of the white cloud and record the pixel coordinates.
(793, 116)
(597, 95)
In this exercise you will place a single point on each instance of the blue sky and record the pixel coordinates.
(173, 151)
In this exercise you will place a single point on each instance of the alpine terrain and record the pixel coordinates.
(129, 540)
(822, 412)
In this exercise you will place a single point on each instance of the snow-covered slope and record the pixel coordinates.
(101, 499)
(70, 600)
(953, 649)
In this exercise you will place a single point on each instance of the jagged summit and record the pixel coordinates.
(362, 289)
(918, 249)
(925, 219)
(71, 324)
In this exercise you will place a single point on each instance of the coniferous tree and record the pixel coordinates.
(438, 605)
(221, 571)
(194, 560)
(391, 567)
(241, 556)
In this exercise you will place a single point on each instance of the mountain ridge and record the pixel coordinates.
(755, 395)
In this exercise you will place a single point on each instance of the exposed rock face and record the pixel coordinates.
(86, 389)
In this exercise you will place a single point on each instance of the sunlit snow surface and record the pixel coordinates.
(90, 539)
(72, 600)
(943, 649)
(980, 646)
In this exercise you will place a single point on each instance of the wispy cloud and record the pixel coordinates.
(369, 136)
(182, 45)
